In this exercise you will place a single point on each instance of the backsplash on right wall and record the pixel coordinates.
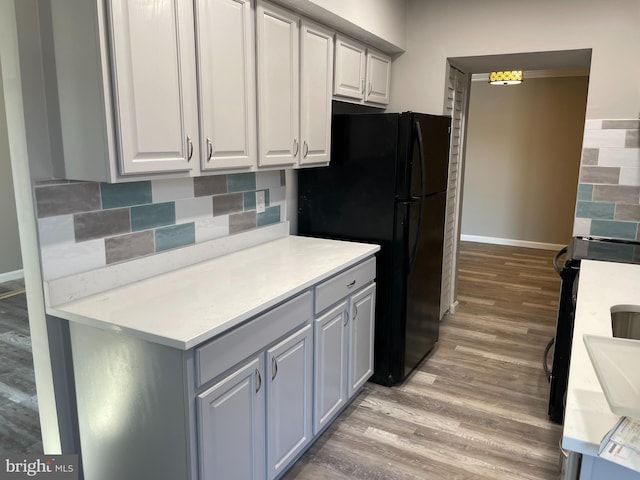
(608, 203)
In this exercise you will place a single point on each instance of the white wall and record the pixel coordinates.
(10, 258)
(438, 29)
(522, 159)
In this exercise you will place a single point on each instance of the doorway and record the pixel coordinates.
(459, 100)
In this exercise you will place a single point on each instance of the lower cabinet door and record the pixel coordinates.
(362, 316)
(231, 425)
(289, 399)
(330, 376)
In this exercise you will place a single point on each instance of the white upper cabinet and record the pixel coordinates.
(226, 75)
(316, 83)
(350, 60)
(378, 78)
(278, 86)
(154, 85)
(362, 75)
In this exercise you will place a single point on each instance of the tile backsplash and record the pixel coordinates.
(608, 203)
(83, 226)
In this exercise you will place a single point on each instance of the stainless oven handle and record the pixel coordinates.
(557, 257)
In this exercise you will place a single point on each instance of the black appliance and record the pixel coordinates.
(580, 248)
(386, 184)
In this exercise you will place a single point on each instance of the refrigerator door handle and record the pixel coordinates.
(416, 241)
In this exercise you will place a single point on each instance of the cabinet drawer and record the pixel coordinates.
(343, 284)
(231, 348)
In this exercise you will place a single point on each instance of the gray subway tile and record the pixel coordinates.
(226, 204)
(100, 224)
(241, 182)
(614, 229)
(585, 192)
(590, 156)
(116, 195)
(610, 175)
(621, 124)
(154, 215)
(628, 213)
(212, 185)
(64, 199)
(269, 216)
(632, 139)
(175, 236)
(126, 247)
(239, 222)
(629, 194)
(600, 210)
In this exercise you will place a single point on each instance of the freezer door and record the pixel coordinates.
(435, 137)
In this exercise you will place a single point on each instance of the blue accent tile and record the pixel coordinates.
(585, 192)
(599, 210)
(250, 199)
(175, 236)
(125, 194)
(613, 229)
(269, 216)
(241, 182)
(154, 215)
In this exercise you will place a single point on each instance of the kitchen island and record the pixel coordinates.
(588, 418)
(227, 368)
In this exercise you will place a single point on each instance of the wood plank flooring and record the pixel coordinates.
(19, 421)
(477, 407)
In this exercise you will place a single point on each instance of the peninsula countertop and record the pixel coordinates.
(587, 414)
(188, 306)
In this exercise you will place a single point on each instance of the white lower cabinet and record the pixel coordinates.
(361, 328)
(289, 399)
(232, 425)
(331, 337)
(343, 341)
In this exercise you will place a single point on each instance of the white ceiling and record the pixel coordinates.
(565, 60)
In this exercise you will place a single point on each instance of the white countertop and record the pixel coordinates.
(188, 306)
(587, 414)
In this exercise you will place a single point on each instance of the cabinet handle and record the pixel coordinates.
(259, 380)
(209, 149)
(370, 88)
(362, 86)
(296, 147)
(346, 317)
(355, 311)
(274, 368)
(189, 148)
(349, 285)
(305, 149)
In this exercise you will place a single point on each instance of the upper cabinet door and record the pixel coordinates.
(227, 84)
(316, 81)
(350, 68)
(154, 85)
(378, 78)
(278, 66)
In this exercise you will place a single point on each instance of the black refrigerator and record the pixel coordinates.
(386, 184)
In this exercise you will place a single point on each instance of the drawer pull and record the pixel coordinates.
(274, 368)
(349, 285)
(259, 377)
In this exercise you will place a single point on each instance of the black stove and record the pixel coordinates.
(580, 248)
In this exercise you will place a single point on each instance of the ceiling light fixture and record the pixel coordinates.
(513, 77)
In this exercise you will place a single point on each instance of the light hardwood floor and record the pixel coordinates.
(477, 407)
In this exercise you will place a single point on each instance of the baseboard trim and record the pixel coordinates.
(9, 276)
(511, 242)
